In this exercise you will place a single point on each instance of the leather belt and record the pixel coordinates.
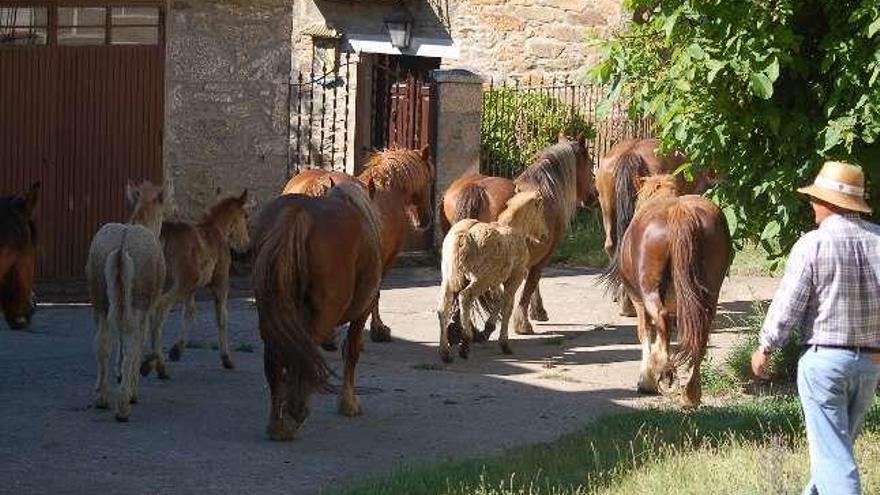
(854, 348)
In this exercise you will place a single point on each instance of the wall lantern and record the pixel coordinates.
(400, 29)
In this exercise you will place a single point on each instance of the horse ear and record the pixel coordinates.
(243, 197)
(31, 198)
(132, 193)
(331, 182)
(562, 137)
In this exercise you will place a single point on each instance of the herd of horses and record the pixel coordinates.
(321, 249)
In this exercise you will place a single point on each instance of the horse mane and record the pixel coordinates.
(656, 187)
(16, 229)
(397, 169)
(553, 176)
(354, 194)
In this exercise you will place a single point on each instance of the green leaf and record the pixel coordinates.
(732, 221)
(761, 85)
(714, 67)
(772, 70)
(696, 52)
(771, 230)
(874, 27)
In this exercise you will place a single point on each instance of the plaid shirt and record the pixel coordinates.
(831, 287)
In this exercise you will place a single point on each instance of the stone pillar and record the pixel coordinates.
(459, 100)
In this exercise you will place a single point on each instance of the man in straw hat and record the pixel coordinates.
(831, 293)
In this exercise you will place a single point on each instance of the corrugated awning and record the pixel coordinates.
(419, 47)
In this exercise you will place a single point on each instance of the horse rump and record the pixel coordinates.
(471, 202)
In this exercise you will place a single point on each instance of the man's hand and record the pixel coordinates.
(759, 363)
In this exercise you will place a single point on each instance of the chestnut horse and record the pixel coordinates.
(616, 184)
(671, 262)
(399, 183)
(317, 265)
(18, 257)
(199, 256)
(484, 198)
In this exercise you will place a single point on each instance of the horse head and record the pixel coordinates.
(147, 205)
(18, 237)
(238, 232)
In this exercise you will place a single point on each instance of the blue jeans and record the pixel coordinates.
(837, 388)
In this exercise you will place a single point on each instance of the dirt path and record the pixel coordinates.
(202, 431)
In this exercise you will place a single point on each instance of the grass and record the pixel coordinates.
(753, 446)
(583, 244)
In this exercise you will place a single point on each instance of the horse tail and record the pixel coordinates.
(694, 309)
(280, 284)
(630, 165)
(119, 276)
(611, 278)
(470, 202)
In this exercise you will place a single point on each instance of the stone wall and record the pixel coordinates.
(227, 70)
(529, 38)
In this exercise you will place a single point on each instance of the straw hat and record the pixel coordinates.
(840, 184)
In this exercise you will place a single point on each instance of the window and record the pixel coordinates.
(82, 25)
(134, 26)
(23, 25)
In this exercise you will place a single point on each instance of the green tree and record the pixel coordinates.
(761, 90)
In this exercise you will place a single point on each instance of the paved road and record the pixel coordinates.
(202, 431)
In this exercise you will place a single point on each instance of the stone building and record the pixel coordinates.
(222, 94)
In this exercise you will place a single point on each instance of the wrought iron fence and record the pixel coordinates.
(320, 103)
(521, 117)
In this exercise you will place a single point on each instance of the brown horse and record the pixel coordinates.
(199, 256)
(671, 262)
(617, 177)
(317, 265)
(315, 182)
(399, 183)
(483, 198)
(18, 257)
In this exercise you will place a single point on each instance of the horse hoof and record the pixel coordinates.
(162, 373)
(526, 330)
(463, 352)
(644, 390)
(102, 403)
(227, 362)
(350, 409)
(280, 433)
(330, 346)
(505, 348)
(133, 400)
(380, 334)
(122, 417)
(628, 314)
(175, 352)
(147, 365)
(487, 331)
(539, 315)
(445, 357)
(480, 337)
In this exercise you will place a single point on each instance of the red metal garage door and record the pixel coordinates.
(81, 109)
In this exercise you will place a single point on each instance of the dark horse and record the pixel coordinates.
(671, 262)
(317, 265)
(617, 179)
(18, 257)
(562, 174)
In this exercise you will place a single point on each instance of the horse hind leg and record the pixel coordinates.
(189, 314)
(693, 391)
(536, 308)
(647, 383)
(379, 331)
(130, 350)
(521, 323)
(354, 344)
(658, 362)
(444, 311)
(221, 292)
(278, 428)
(102, 357)
(466, 300)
